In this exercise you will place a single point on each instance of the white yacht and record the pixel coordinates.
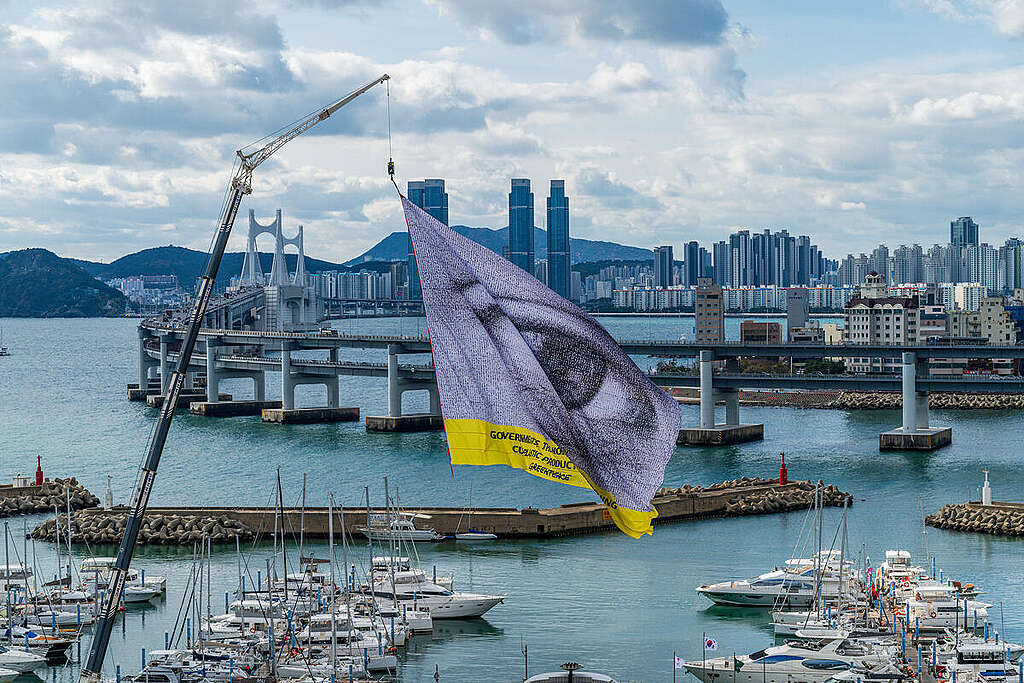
(570, 674)
(794, 662)
(382, 566)
(937, 606)
(413, 590)
(398, 527)
(978, 662)
(780, 588)
(20, 661)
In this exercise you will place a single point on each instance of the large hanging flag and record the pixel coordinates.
(529, 380)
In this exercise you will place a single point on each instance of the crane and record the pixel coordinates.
(241, 185)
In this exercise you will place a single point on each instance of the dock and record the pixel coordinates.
(738, 498)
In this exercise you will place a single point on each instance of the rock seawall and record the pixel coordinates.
(54, 493)
(766, 501)
(996, 519)
(852, 400)
(155, 530)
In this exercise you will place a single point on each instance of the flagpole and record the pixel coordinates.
(704, 654)
(673, 666)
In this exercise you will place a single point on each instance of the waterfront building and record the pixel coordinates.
(558, 264)
(520, 224)
(709, 312)
(430, 196)
(877, 318)
(757, 332)
(963, 231)
(663, 267)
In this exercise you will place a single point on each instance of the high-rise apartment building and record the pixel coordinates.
(520, 224)
(709, 312)
(692, 263)
(430, 196)
(558, 240)
(963, 231)
(663, 267)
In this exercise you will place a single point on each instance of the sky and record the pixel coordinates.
(857, 123)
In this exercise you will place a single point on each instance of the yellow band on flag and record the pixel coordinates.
(478, 442)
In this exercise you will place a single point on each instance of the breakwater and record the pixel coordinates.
(1000, 519)
(157, 529)
(184, 526)
(863, 400)
(52, 493)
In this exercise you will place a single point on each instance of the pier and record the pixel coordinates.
(737, 498)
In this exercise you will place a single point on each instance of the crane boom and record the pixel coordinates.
(241, 185)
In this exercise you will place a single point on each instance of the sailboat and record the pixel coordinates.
(472, 534)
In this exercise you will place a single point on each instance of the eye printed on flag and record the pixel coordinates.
(529, 380)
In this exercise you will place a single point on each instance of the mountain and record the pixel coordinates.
(394, 246)
(36, 283)
(189, 264)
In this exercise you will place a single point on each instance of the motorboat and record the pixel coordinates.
(382, 565)
(779, 588)
(8, 675)
(793, 662)
(20, 661)
(952, 639)
(398, 527)
(96, 571)
(14, 578)
(976, 662)
(474, 536)
(413, 590)
(139, 593)
(884, 673)
(937, 606)
(570, 673)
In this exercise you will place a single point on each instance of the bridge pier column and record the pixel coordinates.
(394, 385)
(259, 388)
(165, 364)
(707, 391)
(212, 376)
(710, 433)
(914, 434)
(287, 381)
(732, 407)
(144, 361)
(395, 421)
(435, 401)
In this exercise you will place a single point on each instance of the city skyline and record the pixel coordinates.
(902, 120)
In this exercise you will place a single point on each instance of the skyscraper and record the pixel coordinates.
(430, 196)
(963, 231)
(709, 312)
(520, 224)
(663, 275)
(558, 239)
(692, 263)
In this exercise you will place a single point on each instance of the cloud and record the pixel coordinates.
(1006, 17)
(523, 22)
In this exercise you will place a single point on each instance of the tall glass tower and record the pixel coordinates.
(520, 224)
(558, 239)
(963, 231)
(430, 196)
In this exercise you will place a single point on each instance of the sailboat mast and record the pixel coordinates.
(284, 546)
(334, 625)
(302, 521)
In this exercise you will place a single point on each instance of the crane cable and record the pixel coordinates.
(391, 160)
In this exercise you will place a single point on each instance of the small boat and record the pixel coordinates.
(138, 593)
(20, 661)
(472, 535)
(3, 349)
(570, 673)
(398, 527)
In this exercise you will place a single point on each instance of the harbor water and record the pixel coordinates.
(617, 605)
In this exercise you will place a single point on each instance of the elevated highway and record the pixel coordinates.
(244, 353)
